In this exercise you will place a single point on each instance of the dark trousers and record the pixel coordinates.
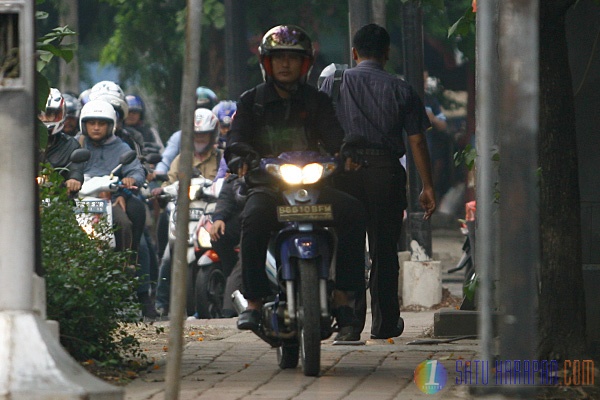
(381, 187)
(130, 225)
(259, 219)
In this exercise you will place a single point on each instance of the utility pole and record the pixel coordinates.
(33, 365)
(69, 72)
(487, 137)
(190, 81)
(236, 50)
(519, 254)
(419, 229)
(359, 15)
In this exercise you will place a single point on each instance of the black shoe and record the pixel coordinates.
(249, 320)
(346, 320)
(347, 334)
(388, 335)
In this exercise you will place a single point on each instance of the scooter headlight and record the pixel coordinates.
(204, 238)
(194, 189)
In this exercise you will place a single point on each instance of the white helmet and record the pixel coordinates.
(113, 94)
(205, 121)
(98, 109)
(53, 116)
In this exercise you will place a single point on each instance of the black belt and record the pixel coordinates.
(373, 152)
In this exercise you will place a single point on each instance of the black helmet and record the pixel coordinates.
(285, 38)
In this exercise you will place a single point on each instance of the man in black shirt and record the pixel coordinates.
(286, 114)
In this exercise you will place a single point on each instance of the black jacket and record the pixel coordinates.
(58, 153)
(270, 124)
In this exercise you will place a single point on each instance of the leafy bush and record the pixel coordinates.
(90, 292)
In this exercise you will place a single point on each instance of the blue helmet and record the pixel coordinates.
(206, 98)
(136, 103)
(224, 111)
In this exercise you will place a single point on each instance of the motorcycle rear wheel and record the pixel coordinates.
(309, 318)
(210, 291)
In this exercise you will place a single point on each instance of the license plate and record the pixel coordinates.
(195, 214)
(313, 212)
(90, 206)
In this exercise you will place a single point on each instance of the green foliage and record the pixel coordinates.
(89, 290)
(467, 157)
(48, 47)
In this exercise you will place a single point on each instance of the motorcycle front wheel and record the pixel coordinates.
(309, 318)
(210, 290)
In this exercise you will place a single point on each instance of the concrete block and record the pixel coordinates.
(449, 322)
(422, 283)
(39, 296)
(34, 366)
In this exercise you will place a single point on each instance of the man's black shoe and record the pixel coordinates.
(248, 320)
(396, 333)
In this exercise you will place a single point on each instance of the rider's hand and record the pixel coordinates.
(157, 191)
(128, 182)
(217, 230)
(120, 201)
(427, 201)
(350, 165)
(73, 186)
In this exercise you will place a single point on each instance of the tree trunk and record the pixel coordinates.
(561, 302)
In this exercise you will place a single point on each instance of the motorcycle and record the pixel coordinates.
(298, 314)
(467, 260)
(93, 204)
(206, 281)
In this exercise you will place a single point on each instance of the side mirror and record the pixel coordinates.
(80, 155)
(128, 158)
(152, 158)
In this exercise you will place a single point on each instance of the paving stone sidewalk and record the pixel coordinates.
(241, 366)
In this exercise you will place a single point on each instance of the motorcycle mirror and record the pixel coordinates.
(152, 158)
(80, 155)
(127, 158)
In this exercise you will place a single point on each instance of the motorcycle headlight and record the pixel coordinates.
(194, 191)
(294, 175)
(204, 238)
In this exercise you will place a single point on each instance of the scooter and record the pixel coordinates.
(298, 315)
(93, 204)
(467, 260)
(206, 282)
(203, 195)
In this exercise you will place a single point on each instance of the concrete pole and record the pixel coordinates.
(487, 175)
(69, 72)
(33, 365)
(419, 230)
(519, 193)
(359, 15)
(191, 73)
(236, 49)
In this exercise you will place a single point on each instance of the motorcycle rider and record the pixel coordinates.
(224, 111)
(205, 98)
(286, 114)
(206, 161)
(73, 106)
(60, 145)
(98, 122)
(136, 121)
